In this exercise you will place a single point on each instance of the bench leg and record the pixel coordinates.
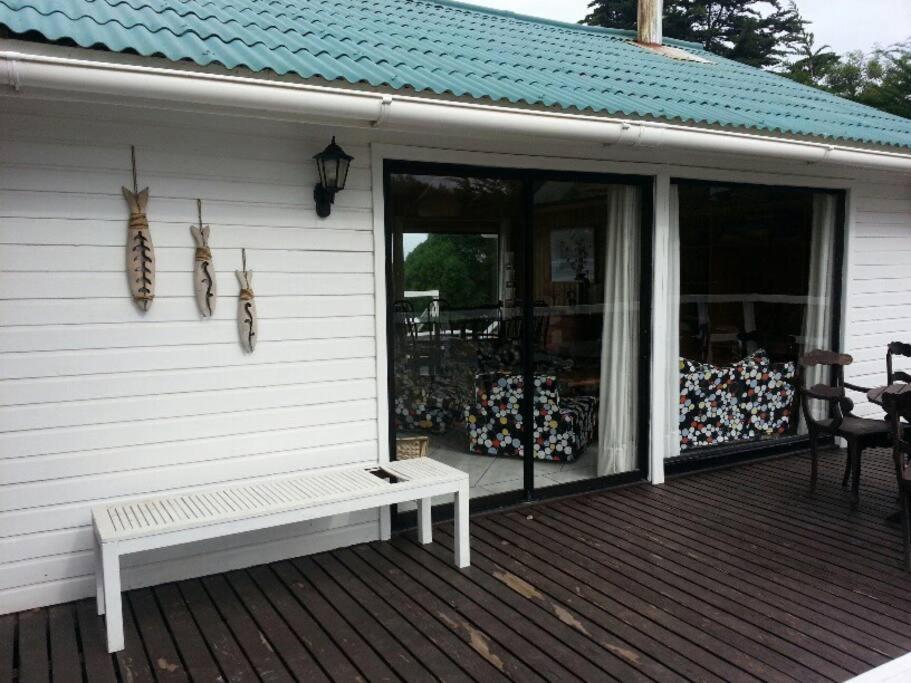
(385, 523)
(425, 525)
(113, 617)
(462, 551)
(99, 578)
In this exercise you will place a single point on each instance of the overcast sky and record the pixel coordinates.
(844, 24)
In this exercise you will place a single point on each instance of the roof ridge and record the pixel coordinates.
(617, 32)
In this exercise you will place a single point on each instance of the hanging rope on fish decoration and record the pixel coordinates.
(246, 306)
(140, 251)
(204, 283)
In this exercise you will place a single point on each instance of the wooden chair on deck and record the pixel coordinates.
(860, 433)
(897, 402)
(897, 349)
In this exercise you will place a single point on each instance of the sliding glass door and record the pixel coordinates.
(759, 270)
(503, 280)
(586, 274)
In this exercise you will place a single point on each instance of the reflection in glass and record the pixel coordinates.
(457, 341)
(459, 273)
(586, 339)
(755, 291)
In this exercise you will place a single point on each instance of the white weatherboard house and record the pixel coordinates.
(619, 222)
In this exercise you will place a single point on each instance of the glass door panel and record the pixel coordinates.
(586, 275)
(455, 291)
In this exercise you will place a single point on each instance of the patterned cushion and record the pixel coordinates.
(562, 428)
(766, 395)
(708, 407)
(752, 399)
(425, 405)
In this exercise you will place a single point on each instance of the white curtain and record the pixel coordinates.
(672, 318)
(617, 417)
(817, 324)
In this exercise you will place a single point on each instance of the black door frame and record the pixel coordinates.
(727, 454)
(528, 177)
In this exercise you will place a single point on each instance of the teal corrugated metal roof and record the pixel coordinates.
(447, 47)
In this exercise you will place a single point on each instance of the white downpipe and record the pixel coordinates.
(194, 90)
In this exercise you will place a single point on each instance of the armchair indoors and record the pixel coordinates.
(563, 427)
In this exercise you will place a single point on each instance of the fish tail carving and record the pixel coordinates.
(247, 322)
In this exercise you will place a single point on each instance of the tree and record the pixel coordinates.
(881, 79)
(813, 64)
(463, 267)
(756, 32)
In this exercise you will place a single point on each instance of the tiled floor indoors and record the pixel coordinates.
(489, 474)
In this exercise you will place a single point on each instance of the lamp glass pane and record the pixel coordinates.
(331, 171)
(343, 166)
(321, 170)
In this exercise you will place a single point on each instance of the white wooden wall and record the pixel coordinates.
(878, 302)
(99, 402)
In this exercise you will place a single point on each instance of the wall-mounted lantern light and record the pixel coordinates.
(332, 165)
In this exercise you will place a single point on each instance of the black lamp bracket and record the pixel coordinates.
(324, 199)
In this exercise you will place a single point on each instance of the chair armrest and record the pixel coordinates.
(901, 376)
(856, 387)
(824, 392)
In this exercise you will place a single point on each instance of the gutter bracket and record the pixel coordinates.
(12, 75)
(383, 116)
(826, 153)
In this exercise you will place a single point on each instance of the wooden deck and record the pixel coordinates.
(733, 575)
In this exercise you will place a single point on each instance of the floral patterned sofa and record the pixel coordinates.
(426, 404)
(563, 427)
(752, 399)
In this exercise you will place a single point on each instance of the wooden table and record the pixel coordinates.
(876, 394)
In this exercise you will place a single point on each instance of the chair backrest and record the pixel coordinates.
(405, 321)
(897, 349)
(833, 393)
(897, 403)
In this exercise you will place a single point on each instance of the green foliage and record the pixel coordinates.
(771, 34)
(755, 32)
(812, 62)
(881, 79)
(462, 266)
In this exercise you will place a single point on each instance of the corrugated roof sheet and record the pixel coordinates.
(446, 47)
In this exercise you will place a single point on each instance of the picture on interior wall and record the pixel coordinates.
(572, 254)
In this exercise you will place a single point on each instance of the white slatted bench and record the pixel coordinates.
(172, 520)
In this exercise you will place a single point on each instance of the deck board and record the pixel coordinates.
(739, 574)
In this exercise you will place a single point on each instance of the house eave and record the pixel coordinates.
(187, 87)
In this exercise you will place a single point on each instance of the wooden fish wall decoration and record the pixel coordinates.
(140, 251)
(246, 308)
(204, 283)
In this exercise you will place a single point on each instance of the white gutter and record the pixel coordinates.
(194, 90)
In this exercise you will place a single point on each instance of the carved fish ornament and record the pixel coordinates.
(246, 310)
(140, 251)
(204, 283)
